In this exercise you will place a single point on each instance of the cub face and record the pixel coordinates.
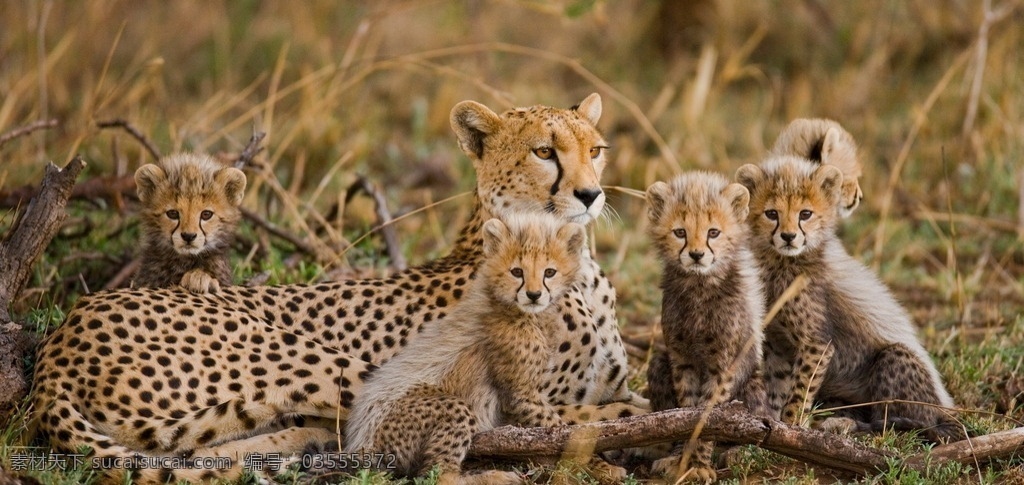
(531, 261)
(793, 203)
(190, 203)
(697, 220)
(537, 159)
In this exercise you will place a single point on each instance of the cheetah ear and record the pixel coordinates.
(472, 122)
(233, 181)
(829, 143)
(657, 194)
(494, 232)
(830, 179)
(590, 108)
(750, 176)
(147, 178)
(575, 236)
(739, 198)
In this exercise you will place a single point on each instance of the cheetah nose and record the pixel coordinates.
(188, 236)
(696, 255)
(533, 295)
(587, 196)
(788, 236)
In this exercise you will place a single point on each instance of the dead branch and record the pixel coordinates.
(107, 187)
(982, 448)
(383, 219)
(33, 229)
(731, 423)
(126, 126)
(25, 130)
(250, 151)
(726, 423)
(123, 274)
(281, 233)
(26, 240)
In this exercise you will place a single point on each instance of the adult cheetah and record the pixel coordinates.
(164, 372)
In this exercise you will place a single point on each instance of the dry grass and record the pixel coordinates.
(365, 87)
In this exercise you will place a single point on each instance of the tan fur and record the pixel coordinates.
(825, 141)
(324, 337)
(189, 215)
(482, 368)
(712, 304)
(844, 339)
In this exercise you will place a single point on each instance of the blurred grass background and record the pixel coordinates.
(931, 90)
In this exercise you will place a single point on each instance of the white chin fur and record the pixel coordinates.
(191, 250)
(532, 307)
(698, 268)
(789, 250)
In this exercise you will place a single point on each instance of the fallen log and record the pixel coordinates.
(731, 423)
(727, 423)
(1002, 444)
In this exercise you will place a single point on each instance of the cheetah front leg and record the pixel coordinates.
(810, 367)
(692, 391)
(778, 379)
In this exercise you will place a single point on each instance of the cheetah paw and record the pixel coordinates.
(837, 425)
(605, 472)
(697, 473)
(199, 282)
(792, 413)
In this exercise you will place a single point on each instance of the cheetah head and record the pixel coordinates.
(537, 159)
(697, 220)
(531, 260)
(793, 203)
(190, 203)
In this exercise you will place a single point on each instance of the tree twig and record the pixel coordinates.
(281, 233)
(383, 219)
(25, 130)
(250, 151)
(126, 126)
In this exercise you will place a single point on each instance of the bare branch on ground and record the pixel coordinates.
(726, 423)
(731, 423)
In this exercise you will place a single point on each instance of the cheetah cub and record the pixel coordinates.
(844, 339)
(826, 142)
(190, 211)
(482, 367)
(712, 306)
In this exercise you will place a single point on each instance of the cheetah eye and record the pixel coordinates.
(805, 214)
(550, 272)
(206, 215)
(517, 272)
(713, 233)
(596, 151)
(544, 153)
(680, 233)
(772, 214)
(172, 215)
